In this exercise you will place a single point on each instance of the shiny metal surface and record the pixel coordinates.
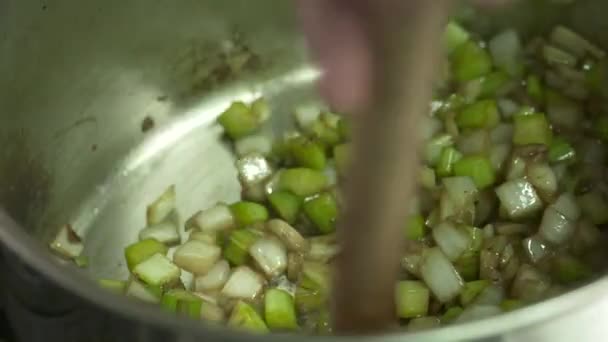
(77, 79)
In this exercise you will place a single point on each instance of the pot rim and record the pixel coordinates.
(26, 247)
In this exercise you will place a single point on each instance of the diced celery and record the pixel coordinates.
(279, 310)
(435, 146)
(116, 286)
(445, 166)
(494, 83)
(531, 129)
(239, 241)
(342, 157)
(481, 114)
(476, 235)
(470, 61)
(286, 204)
(308, 154)
(157, 270)
(415, 229)
(143, 292)
(451, 314)
(183, 303)
(479, 168)
(248, 213)
(302, 181)
(511, 304)
(238, 120)
(246, 318)
(471, 290)
(81, 261)
(468, 265)
(315, 276)
(322, 211)
(142, 250)
(325, 129)
(412, 299)
(308, 300)
(535, 88)
(568, 270)
(560, 150)
(454, 36)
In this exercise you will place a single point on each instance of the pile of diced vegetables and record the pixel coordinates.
(512, 196)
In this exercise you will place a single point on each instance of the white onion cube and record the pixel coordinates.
(519, 198)
(243, 283)
(440, 275)
(197, 257)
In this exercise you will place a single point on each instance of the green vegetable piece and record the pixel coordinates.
(594, 206)
(315, 276)
(324, 326)
(435, 146)
(511, 304)
(531, 129)
(322, 211)
(279, 310)
(415, 229)
(471, 290)
(568, 270)
(308, 154)
(561, 151)
(239, 241)
(342, 158)
(157, 270)
(478, 168)
(596, 76)
(445, 166)
(286, 204)
(481, 114)
(183, 303)
(245, 317)
(412, 299)
(470, 61)
(325, 129)
(454, 36)
(468, 265)
(302, 182)
(345, 129)
(142, 250)
(494, 83)
(308, 300)
(427, 178)
(248, 213)
(238, 120)
(116, 286)
(535, 88)
(451, 314)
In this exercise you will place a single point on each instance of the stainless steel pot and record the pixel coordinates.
(105, 103)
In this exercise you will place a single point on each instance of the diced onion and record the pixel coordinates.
(542, 177)
(138, 290)
(567, 206)
(529, 284)
(243, 283)
(253, 169)
(476, 312)
(452, 241)
(67, 243)
(519, 198)
(440, 275)
(216, 218)
(253, 144)
(474, 142)
(499, 154)
(165, 232)
(535, 249)
(555, 227)
(506, 51)
(293, 240)
(197, 257)
(160, 209)
(270, 255)
(507, 107)
(214, 279)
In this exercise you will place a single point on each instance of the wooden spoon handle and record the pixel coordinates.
(384, 170)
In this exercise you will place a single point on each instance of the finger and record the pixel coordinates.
(339, 45)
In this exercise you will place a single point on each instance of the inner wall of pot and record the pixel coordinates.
(105, 104)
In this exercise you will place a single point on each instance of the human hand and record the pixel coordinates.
(337, 32)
